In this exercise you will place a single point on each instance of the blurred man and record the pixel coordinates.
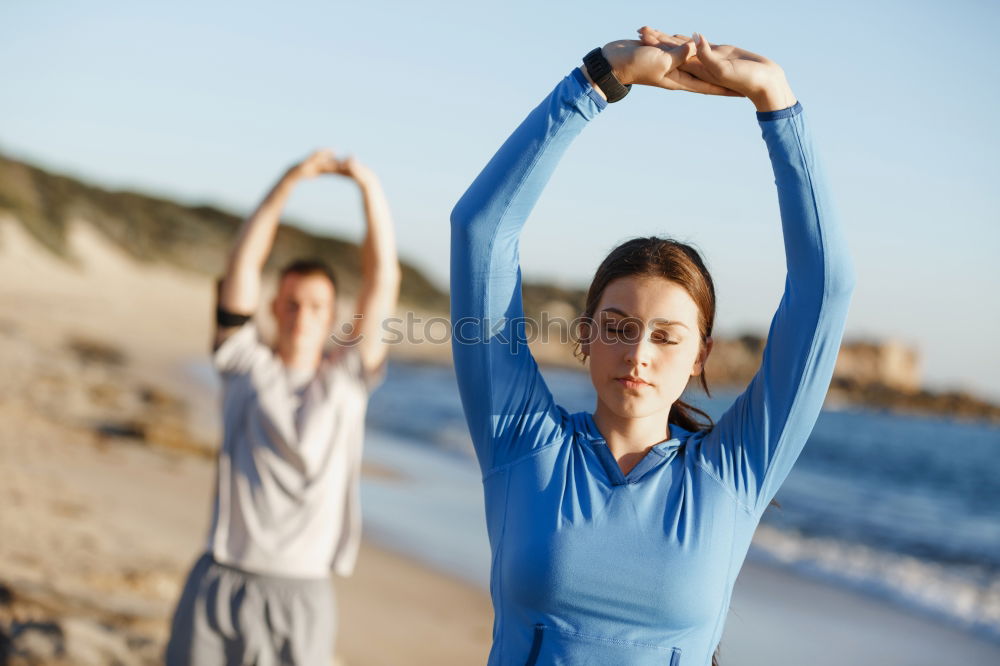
(286, 508)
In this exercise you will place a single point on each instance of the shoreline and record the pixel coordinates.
(813, 622)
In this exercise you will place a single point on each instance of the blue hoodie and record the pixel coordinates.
(590, 565)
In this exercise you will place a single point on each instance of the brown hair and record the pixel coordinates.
(674, 261)
(305, 267)
(679, 263)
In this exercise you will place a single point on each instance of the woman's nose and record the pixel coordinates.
(637, 353)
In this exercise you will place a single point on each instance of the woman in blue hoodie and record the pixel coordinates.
(617, 535)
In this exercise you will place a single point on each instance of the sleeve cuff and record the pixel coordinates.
(764, 116)
(578, 76)
(236, 351)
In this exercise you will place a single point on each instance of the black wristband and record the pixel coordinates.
(226, 319)
(601, 73)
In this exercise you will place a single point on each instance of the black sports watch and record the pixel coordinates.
(600, 71)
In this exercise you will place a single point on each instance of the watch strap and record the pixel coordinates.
(601, 73)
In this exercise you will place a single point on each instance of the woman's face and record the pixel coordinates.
(645, 346)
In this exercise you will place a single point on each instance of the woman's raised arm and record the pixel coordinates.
(505, 398)
(756, 442)
(502, 391)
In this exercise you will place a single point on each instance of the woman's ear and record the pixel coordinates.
(699, 364)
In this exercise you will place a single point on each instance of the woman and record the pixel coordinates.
(617, 536)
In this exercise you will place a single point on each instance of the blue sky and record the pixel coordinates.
(209, 102)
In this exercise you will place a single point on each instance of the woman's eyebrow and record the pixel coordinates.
(664, 323)
(659, 322)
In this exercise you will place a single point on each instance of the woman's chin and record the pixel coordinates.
(631, 407)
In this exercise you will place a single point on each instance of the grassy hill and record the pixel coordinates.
(153, 229)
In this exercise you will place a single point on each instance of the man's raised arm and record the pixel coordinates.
(239, 290)
(380, 273)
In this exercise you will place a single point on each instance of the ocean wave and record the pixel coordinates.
(967, 597)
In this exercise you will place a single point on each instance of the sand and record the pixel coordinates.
(106, 476)
(100, 531)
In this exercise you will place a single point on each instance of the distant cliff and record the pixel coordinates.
(883, 375)
(860, 364)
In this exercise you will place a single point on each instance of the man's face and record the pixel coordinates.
(304, 310)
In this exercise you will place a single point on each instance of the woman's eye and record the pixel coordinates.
(613, 332)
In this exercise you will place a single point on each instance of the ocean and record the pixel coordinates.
(903, 507)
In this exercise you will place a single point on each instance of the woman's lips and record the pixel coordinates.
(632, 382)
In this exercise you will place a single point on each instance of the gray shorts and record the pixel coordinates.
(230, 617)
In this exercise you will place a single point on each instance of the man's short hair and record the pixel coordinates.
(309, 267)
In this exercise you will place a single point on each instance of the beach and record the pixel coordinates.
(106, 475)
(97, 536)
